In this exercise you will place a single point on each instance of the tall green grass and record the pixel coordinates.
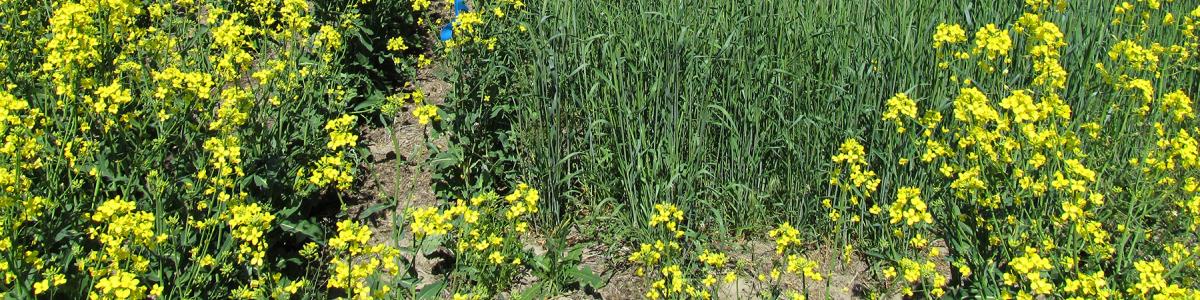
(732, 110)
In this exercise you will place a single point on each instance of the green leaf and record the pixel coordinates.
(259, 181)
(370, 104)
(366, 43)
(586, 277)
(430, 244)
(531, 292)
(446, 159)
(304, 227)
(576, 253)
(374, 209)
(64, 234)
(432, 290)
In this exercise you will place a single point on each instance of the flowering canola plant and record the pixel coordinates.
(1015, 193)
(166, 149)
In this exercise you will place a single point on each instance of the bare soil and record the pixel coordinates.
(397, 175)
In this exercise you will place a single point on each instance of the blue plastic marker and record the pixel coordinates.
(448, 29)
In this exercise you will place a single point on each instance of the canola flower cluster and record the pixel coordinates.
(423, 111)
(354, 259)
(485, 234)
(335, 169)
(669, 216)
(469, 29)
(788, 249)
(905, 225)
(668, 269)
(126, 235)
(859, 184)
(20, 206)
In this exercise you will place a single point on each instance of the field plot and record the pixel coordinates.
(658, 149)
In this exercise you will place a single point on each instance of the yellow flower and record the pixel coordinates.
(496, 258)
(353, 261)
(1039, 5)
(853, 157)
(795, 296)
(226, 159)
(669, 216)
(1030, 266)
(647, 255)
(1150, 277)
(1020, 103)
(423, 62)
(248, 223)
(122, 223)
(341, 132)
(948, 34)
(351, 236)
(119, 285)
(850, 152)
(800, 265)
(523, 200)
(429, 222)
(41, 286)
(417, 6)
(329, 40)
(206, 261)
(992, 41)
(332, 170)
(897, 106)
(784, 235)
(911, 270)
(426, 113)
(1136, 56)
(467, 26)
(909, 207)
(963, 269)
(73, 48)
(1077, 168)
(847, 252)
(1093, 285)
(971, 105)
(396, 44)
(1179, 105)
(918, 241)
(714, 259)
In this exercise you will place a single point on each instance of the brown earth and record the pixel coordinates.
(397, 174)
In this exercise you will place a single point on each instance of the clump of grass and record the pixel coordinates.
(729, 115)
